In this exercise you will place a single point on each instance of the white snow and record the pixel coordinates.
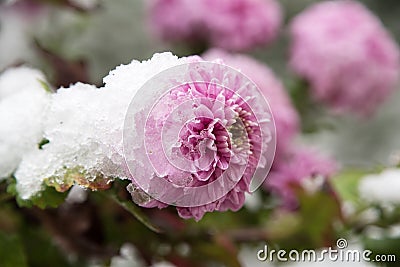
(381, 188)
(23, 105)
(84, 125)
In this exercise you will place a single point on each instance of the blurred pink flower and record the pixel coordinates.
(345, 53)
(25, 8)
(223, 143)
(285, 116)
(299, 165)
(230, 24)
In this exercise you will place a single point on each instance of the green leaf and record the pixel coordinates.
(346, 184)
(219, 220)
(385, 246)
(11, 251)
(131, 207)
(311, 226)
(212, 252)
(45, 86)
(48, 197)
(43, 142)
(41, 250)
(312, 114)
(319, 211)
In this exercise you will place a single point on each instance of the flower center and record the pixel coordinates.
(202, 137)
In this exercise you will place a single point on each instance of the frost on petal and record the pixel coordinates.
(230, 135)
(79, 149)
(23, 105)
(285, 115)
(84, 127)
(208, 132)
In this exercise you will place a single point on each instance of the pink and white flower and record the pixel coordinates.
(204, 138)
(187, 132)
(285, 115)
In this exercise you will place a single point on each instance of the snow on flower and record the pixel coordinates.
(382, 188)
(230, 24)
(84, 127)
(300, 165)
(345, 53)
(23, 103)
(227, 132)
(285, 116)
(204, 140)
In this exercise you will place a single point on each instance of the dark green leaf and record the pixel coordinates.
(11, 251)
(48, 197)
(385, 246)
(43, 142)
(132, 208)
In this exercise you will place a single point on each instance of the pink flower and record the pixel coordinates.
(285, 116)
(230, 24)
(299, 165)
(345, 53)
(25, 8)
(206, 137)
